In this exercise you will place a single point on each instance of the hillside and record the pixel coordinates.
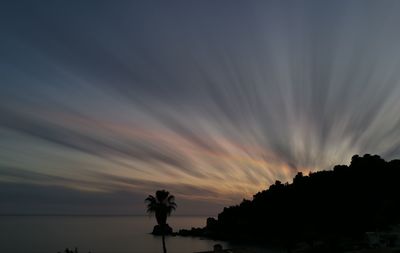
(329, 205)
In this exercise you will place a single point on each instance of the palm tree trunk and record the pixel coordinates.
(163, 242)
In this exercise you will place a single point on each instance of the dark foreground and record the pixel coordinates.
(349, 208)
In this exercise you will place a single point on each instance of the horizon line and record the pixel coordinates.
(105, 215)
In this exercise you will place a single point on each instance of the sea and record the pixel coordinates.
(97, 234)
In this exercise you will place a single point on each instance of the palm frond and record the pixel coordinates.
(162, 202)
(162, 195)
(171, 199)
(150, 198)
(151, 204)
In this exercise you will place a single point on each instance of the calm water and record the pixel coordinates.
(116, 234)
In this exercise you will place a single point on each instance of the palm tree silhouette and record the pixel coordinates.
(162, 206)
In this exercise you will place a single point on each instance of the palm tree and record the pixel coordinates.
(162, 206)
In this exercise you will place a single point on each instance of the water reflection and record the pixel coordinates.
(106, 234)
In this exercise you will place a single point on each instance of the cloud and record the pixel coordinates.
(212, 102)
(26, 198)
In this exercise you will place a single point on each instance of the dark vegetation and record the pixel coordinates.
(324, 206)
(162, 205)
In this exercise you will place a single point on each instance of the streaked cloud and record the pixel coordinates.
(213, 101)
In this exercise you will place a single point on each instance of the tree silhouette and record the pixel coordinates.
(331, 206)
(162, 206)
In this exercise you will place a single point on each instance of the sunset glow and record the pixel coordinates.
(134, 97)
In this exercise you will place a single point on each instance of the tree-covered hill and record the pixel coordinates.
(326, 205)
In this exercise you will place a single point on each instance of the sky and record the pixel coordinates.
(104, 102)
